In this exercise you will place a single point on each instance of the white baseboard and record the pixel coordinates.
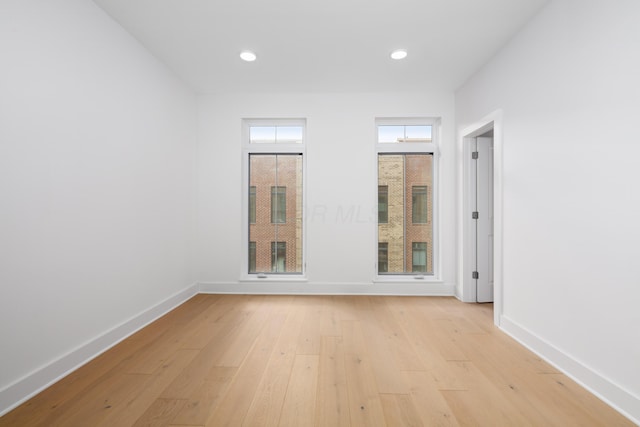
(30, 385)
(621, 400)
(311, 288)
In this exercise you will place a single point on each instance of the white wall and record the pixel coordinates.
(569, 89)
(341, 205)
(97, 186)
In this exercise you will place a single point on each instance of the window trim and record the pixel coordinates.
(270, 148)
(412, 148)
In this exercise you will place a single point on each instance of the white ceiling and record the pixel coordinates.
(322, 45)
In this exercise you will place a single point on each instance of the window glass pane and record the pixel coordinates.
(275, 134)
(401, 133)
(289, 134)
(278, 213)
(390, 133)
(407, 178)
(418, 133)
(262, 134)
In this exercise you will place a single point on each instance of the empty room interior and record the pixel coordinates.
(319, 212)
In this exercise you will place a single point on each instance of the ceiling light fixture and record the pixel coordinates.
(248, 56)
(399, 54)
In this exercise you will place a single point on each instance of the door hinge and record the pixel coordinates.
(475, 275)
(475, 215)
(474, 155)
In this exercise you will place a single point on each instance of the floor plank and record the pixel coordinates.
(429, 402)
(298, 409)
(365, 407)
(266, 406)
(204, 399)
(332, 407)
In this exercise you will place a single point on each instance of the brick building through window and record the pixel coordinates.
(407, 179)
(275, 213)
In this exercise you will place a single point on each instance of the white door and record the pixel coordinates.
(483, 214)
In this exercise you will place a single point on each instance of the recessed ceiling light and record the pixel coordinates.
(399, 54)
(248, 56)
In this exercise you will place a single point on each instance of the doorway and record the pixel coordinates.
(481, 203)
(485, 257)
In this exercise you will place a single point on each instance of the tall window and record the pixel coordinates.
(405, 207)
(274, 151)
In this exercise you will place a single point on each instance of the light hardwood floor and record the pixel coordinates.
(317, 360)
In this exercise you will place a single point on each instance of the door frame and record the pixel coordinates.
(483, 226)
(466, 288)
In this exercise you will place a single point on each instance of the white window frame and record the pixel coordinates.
(270, 148)
(412, 148)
